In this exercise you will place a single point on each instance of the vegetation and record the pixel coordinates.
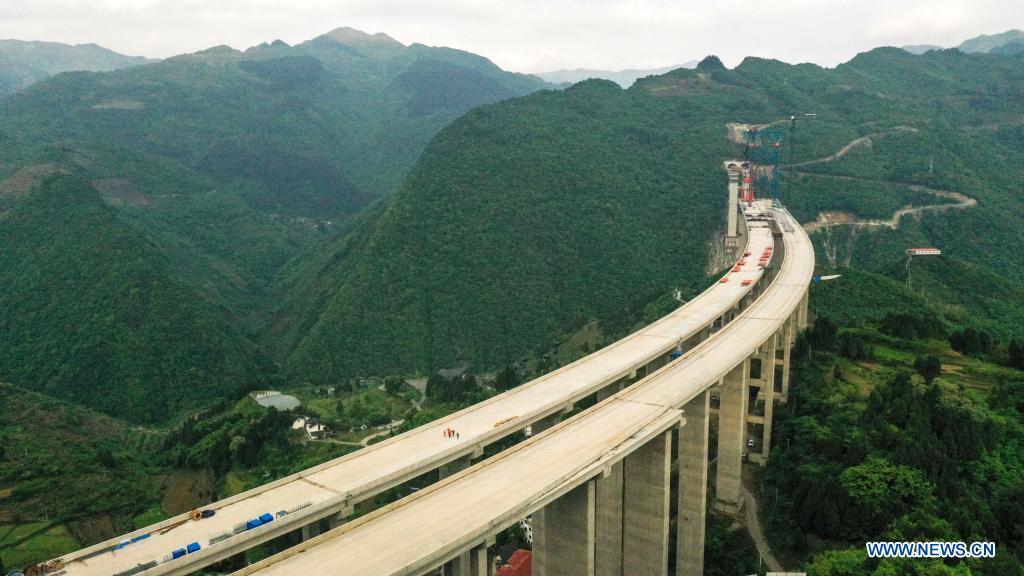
(135, 282)
(867, 450)
(25, 63)
(92, 312)
(475, 235)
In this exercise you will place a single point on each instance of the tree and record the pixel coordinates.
(928, 366)
(971, 341)
(1015, 355)
(822, 336)
(851, 345)
(393, 385)
(506, 379)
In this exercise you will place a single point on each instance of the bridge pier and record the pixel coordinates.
(567, 545)
(692, 487)
(788, 340)
(732, 425)
(479, 561)
(609, 391)
(645, 516)
(608, 495)
(802, 312)
(765, 383)
(311, 530)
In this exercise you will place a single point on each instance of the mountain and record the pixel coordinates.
(988, 43)
(92, 311)
(23, 63)
(530, 218)
(1009, 49)
(189, 184)
(624, 78)
(920, 48)
(317, 130)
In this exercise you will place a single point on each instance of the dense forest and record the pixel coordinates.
(530, 218)
(23, 63)
(898, 429)
(135, 282)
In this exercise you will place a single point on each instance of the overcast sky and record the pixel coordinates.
(526, 35)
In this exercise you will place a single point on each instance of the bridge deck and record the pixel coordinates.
(425, 529)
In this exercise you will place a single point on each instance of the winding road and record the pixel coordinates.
(830, 219)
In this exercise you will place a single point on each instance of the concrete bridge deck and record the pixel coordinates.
(464, 512)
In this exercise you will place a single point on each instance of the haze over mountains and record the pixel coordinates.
(25, 63)
(1009, 42)
(624, 78)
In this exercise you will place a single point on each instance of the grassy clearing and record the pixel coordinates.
(48, 541)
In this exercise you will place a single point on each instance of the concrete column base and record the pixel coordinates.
(608, 492)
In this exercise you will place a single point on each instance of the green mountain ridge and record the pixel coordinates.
(92, 311)
(23, 63)
(220, 166)
(528, 218)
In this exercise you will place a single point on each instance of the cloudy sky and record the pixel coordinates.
(526, 35)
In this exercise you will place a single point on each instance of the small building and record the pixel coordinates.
(315, 429)
(519, 564)
(924, 251)
(527, 525)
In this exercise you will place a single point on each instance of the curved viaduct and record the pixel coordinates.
(612, 459)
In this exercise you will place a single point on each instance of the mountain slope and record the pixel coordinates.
(318, 130)
(207, 173)
(521, 221)
(23, 63)
(529, 218)
(92, 312)
(990, 42)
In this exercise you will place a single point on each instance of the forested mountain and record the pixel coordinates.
(92, 311)
(528, 218)
(991, 43)
(317, 130)
(23, 63)
(187, 184)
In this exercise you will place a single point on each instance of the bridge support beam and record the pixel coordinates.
(788, 340)
(479, 561)
(335, 520)
(645, 515)
(693, 487)
(609, 391)
(311, 530)
(732, 424)
(608, 494)
(768, 392)
(567, 546)
(802, 312)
